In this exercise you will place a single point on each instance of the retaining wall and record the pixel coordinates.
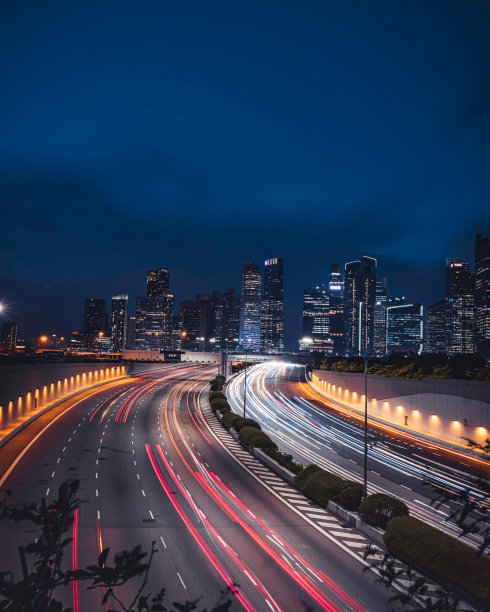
(450, 409)
(26, 387)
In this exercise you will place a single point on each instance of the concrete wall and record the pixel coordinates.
(26, 387)
(135, 355)
(450, 409)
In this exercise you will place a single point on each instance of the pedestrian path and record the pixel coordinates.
(336, 529)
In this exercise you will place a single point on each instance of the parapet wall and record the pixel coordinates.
(450, 409)
(26, 387)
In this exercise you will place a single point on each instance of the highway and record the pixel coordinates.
(313, 430)
(155, 465)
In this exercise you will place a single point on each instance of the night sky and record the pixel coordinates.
(197, 135)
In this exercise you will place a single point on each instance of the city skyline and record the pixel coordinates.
(336, 157)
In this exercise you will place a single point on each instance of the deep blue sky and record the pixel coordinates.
(196, 135)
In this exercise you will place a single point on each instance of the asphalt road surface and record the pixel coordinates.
(154, 465)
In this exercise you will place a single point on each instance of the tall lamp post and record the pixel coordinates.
(100, 334)
(245, 387)
(366, 355)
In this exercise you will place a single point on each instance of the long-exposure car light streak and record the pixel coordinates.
(199, 540)
(302, 580)
(292, 428)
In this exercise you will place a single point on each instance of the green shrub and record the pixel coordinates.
(320, 485)
(286, 461)
(379, 508)
(253, 437)
(216, 395)
(220, 405)
(442, 557)
(229, 419)
(246, 423)
(306, 473)
(350, 497)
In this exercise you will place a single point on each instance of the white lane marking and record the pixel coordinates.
(180, 578)
(47, 492)
(144, 494)
(151, 514)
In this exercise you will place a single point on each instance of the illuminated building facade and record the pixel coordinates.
(153, 326)
(404, 328)
(460, 294)
(336, 309)
(380, 317)
(272, 319)
(437, 332)
(153, 323)
(316, 312)
(250, 307)
(94, 321)
(157, 282)
(9, 337)
(359, 301)
(482, 296)
(119, 322)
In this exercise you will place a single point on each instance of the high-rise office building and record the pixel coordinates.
(482, 296)
(316, 313)
(119, 322)
(217, 316)
(359, 301)
(272, 320)
(197, 323)
(153, 324)
(404, 328)
(94, 321)
(155, 313)
(461, 307)
(250, 307)
(231, 320)
(437, 332)
(9, 337)
(380, 317)
(336, 309)
(157, 283)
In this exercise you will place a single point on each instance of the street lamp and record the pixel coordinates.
(366, 355)
(245, 386)
(100, 334)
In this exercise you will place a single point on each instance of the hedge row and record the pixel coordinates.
(220, 405)
(216, 384)
(255, 438)
(444, 558)
(323, 486)
(283, 459)
(230, 419)
(379, 509)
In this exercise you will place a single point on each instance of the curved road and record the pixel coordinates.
(155, 466)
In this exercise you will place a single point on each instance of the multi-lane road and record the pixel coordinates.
(155, 465)
(314, 430)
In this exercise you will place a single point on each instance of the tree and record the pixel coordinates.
(43, 573)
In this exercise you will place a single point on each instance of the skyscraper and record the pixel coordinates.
(380, 317)
(198, 323)
(336, 309)
(359, 300)
(9, 337)
(155, 313)
(272, 322)
(316, 312)
(250, 307)
(153, 324)
(231, 320)
(437, 332)
(404, 328)
(94, 321)
(461, 306)
(157, 283)
(482, 296)
(119, 322)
